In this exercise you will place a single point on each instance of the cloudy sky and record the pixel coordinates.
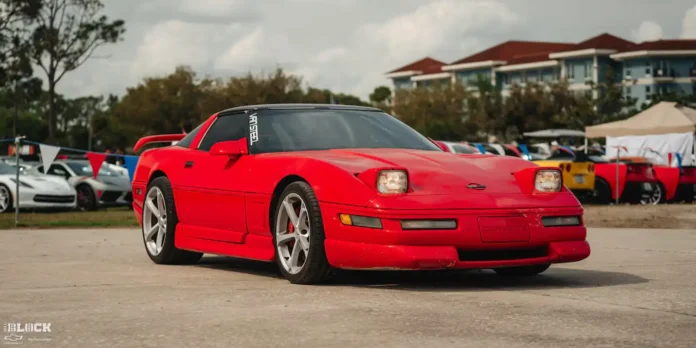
(348, 45)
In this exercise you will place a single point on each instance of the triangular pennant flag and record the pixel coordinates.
(480, 148)
(669, 159)
(96, 160)
(48, 155)
(130, 163)
(679, 160)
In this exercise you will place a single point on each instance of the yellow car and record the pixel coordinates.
(579, 177)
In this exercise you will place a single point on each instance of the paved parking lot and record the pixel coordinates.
(98, 288)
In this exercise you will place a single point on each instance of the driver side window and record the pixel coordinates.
(224, 128)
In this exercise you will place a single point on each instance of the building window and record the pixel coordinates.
(647, 71)
(524, 77)
(647, 89)
(570, 71)
(627, 91)
(588, 70)
(628, 73)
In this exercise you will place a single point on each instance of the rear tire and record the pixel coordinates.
(521, 271)
(602, 191)
(300, 254)
(161, 249)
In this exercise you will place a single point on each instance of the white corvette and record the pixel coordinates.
(34, 191)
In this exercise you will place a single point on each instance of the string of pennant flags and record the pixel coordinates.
(49, 153)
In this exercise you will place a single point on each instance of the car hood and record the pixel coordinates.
(433, 172)
(47, 183)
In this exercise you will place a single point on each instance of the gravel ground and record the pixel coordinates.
(640, 216)
(97, 288)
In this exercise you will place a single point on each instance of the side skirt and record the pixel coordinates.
(255, 247)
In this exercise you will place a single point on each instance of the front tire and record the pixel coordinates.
(298, 236)
(159, 224)
(5, 199)
(86, 198)
(521, 271)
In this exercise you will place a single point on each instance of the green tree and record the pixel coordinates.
(66, 34)
(437, 111)
(160, 105)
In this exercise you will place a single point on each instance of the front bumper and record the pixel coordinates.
(468, 246)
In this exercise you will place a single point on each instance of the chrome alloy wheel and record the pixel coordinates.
(654, 197)
(5, 197)
(154, 221)
(292, 233)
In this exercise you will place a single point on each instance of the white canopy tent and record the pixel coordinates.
(666, 128)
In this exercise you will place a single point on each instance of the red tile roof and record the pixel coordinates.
(530, 58)
(427, 65)
(661, 45)
(510, 49)
(602, 41)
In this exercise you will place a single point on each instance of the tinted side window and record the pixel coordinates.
(462, 149)
(186, 141)
(224, 128)
(58, 170)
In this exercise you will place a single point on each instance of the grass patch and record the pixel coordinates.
(111, 217)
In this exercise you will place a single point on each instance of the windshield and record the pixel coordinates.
(7, 169)
(85, 169)
(300, 130)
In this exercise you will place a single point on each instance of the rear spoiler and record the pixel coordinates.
(162, 138)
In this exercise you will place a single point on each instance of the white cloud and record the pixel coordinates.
(445, 29)
(648, 31)
(689, 24)
(257, 50)
(174, 42)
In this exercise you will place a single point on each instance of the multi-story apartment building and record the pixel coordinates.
(641, 68)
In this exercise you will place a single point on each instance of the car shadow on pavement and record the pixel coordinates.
(472, 280)
(450, 280)
(266, 269)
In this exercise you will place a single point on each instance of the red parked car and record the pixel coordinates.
(322, 187)
(637, 181)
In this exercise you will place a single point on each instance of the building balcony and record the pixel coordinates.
(661, 74)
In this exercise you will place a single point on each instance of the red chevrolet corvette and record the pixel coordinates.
(323, 187)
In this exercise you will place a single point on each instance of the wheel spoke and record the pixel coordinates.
(303, 242)
(160, 203)
(160, 239)
(153, 230)
(153, 208)
(302, 220)
(284, 238)
(294, 257)
(291, 213)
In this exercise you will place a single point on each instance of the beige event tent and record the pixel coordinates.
(662, 118)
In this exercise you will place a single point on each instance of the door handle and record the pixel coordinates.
(188, 164)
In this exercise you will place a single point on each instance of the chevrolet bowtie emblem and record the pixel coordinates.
(475, 186)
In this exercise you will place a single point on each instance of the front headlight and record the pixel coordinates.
(548, 180)
(392, 181)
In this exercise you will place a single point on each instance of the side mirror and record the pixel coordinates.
(233, 148)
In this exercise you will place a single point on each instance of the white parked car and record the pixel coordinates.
(34, 191)
(109, 189)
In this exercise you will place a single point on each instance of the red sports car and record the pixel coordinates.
(323, 187)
